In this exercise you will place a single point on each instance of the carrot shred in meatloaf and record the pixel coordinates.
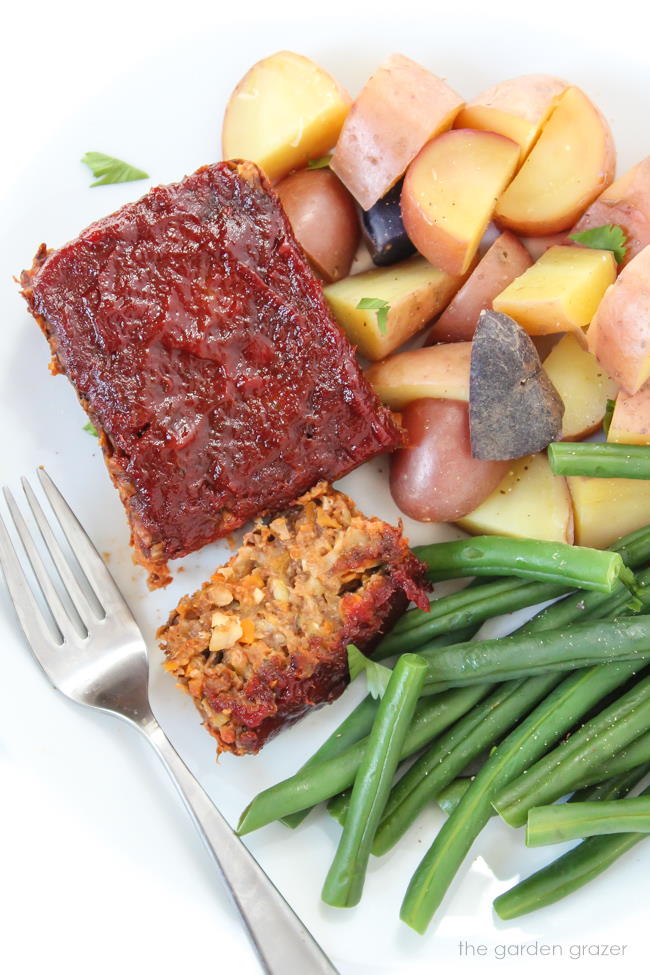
(199, 342)
(265, 640)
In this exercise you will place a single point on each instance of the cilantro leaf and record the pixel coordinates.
(609, 413)
(381, 307)
(111, 170)
(91, 429)
(377, 676)
(608, 238)
(321, 163)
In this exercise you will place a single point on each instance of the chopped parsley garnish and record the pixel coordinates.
(381, 307)
(111, 170)
(91, 429)
(608, 238)
(377, 676)
(321, 163)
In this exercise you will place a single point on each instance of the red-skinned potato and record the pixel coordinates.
(536, 246)
(324, 219)
(619, 334)
(631, 419)
(568, 167)
(449, 194)
(399, 109)
(626, 203)
(504, 261)
(516, 108)
(436, 478)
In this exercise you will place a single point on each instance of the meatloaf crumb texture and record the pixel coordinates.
(265, 639)
(199, 342)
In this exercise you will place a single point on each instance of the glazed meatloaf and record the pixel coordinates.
(266, 638)
(199, 342)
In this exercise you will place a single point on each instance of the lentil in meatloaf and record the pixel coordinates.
(265, 639)
(199, 342)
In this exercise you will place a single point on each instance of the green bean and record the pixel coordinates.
(338, 806)
(567, 700)
(345, 879)
(600, 460)
(421, 782)
(449, 755)
(561, 770)
(571, 566)
(356, 726)
(449, 798)
(633, 548)
(387, 648)
(637, 753)
(566, 874)
(326, 779)
(465, 608)
(614, 788)
(531, 654)
(475, 590)
(562, 822)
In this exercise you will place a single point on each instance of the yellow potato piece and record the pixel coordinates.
(560, 292)
(517, 108)
(285, 111)
(530, 502)
(607, 508)
(583, 385)
(449, 194)
(631, 419)
(435, 372)
(570, 164)
(415, 292)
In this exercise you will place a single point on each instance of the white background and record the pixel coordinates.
(99, 867)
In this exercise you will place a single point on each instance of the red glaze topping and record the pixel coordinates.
(198, 338)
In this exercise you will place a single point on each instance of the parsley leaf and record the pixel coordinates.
(91, 429)
(111, 170)
(608, 238)
(609, 413)
(377, 676)
(381, 307)
(321, 163)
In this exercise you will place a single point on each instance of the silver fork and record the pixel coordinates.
(100, 660)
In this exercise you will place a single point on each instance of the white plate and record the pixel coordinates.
(101, 860)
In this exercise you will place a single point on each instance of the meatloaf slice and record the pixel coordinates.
(199, 342)
(266, 638)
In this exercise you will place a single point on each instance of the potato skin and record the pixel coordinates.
(514, 409)
(504, 261)
(516, 108)
(324, 219)
(626, 203)
(575, 156)
(449, 194)
(400, 108)
(436, 478)
(432, 372)
(619, 335)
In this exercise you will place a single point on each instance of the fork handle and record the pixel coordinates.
(282, 941)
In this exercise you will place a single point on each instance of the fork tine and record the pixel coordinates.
(79, 599)
(87, 556)
(29, 615)
(52, 598)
